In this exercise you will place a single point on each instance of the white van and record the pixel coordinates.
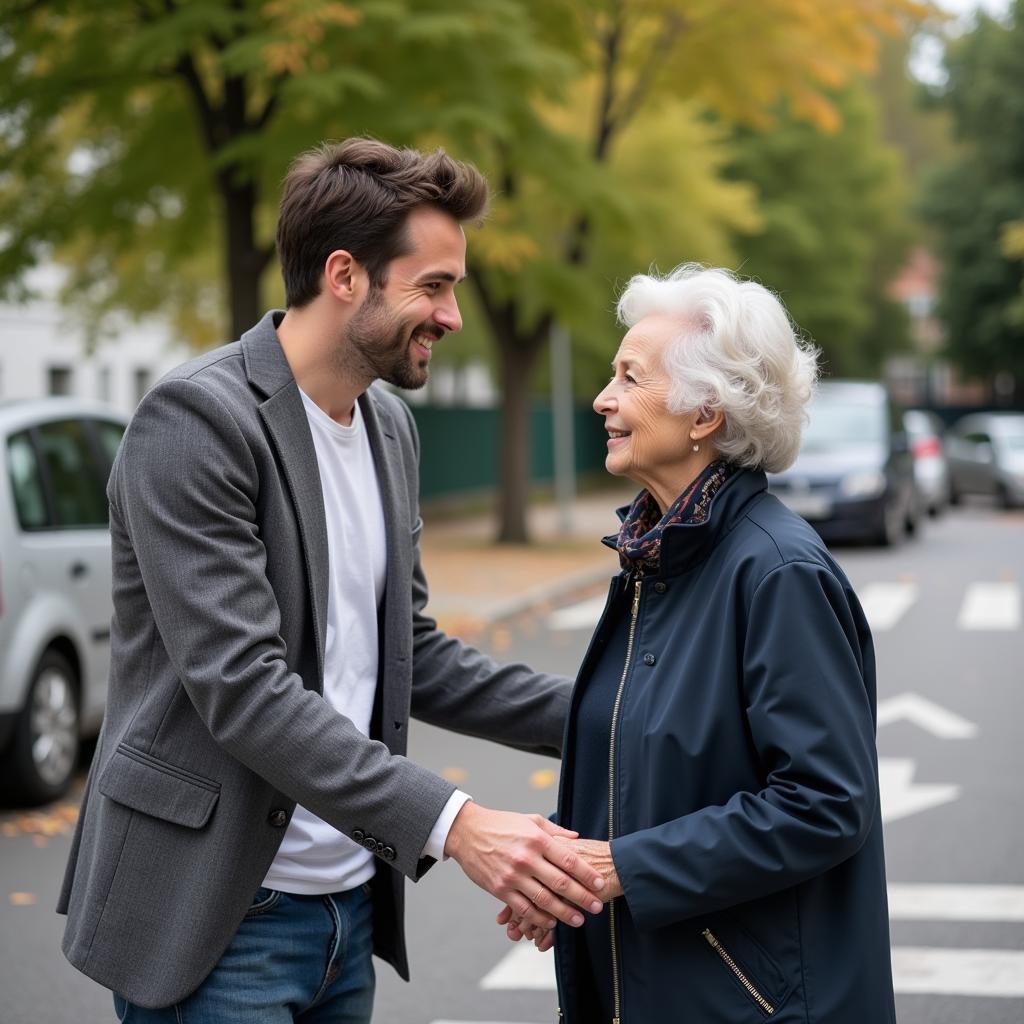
(55, 603)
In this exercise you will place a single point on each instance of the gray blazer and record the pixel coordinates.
(216, 725)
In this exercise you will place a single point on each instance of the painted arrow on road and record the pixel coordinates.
(901, 796)
(927, 715)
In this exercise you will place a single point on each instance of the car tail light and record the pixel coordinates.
(927, 446)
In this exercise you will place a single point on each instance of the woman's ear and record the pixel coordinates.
(707, 422)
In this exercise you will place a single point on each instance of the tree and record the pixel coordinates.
(643, 61)
(975, 199)
(835, 229)
(143, 141)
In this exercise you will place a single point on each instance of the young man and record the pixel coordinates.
(250, 815)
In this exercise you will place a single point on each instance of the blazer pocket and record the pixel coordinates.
(157, 788)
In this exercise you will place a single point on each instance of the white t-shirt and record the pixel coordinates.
(314, 857)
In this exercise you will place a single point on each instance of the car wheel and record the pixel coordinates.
(1004, 497)
(40, 762)
(892, 526)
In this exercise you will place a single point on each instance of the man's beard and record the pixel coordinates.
(382, 345)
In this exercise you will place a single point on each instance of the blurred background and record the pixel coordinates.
(862, 158)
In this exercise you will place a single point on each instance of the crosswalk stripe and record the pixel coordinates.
(885, 604)
(522, 967)
(916, 970)
(958, 972)
(985, 606)
(917, 902)
(991, 606)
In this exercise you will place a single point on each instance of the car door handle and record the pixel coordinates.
(79, 570)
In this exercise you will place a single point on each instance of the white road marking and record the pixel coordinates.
(927, 715)
(577, 616)
(901, 796)
(522, 967)
(958, 972)
(917, 902)
(886, 603)
(924, 970)
(991, 606)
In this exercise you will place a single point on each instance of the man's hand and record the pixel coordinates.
(594, 852)
(517, 858)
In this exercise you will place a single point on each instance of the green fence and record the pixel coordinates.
(459, 447)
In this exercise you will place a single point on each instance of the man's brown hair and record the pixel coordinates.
(356, 195)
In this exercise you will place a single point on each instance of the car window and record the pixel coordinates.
(77, 481)
(837, 424)
(978, 437)
(26, 485)
(110, 435)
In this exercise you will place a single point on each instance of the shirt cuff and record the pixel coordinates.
(439, 833)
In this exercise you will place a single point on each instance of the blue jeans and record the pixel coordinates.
(294, 958)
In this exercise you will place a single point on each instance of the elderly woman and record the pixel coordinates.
(720, 756)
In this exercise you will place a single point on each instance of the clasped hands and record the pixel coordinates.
(541, 872)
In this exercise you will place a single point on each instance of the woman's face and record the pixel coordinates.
(646, 442)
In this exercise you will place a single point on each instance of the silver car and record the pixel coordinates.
(55, 603)
(986, 456)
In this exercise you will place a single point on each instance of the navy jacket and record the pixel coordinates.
(748, 832)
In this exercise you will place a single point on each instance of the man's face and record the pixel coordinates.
(395, 328)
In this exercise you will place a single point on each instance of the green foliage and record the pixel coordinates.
(975, 199)
(834, 229)
(126, 125)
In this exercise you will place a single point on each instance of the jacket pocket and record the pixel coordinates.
(157, 788)
(749, 965)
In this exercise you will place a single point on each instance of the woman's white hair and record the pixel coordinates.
(737, 351)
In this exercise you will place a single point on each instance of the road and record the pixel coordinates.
(946, 613)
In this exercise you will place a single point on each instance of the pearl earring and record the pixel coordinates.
(696, 447)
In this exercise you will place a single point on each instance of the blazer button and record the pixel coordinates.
(371, 844)
(380, 847)
(278, 818)
(388, 853)
(358, 835)
(660, 587)
(649, 659)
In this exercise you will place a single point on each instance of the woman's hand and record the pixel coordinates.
(593, 852)
(598, 855)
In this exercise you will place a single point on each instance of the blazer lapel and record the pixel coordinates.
(396, 615)
(286, 422)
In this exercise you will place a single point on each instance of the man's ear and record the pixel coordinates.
(342, 276)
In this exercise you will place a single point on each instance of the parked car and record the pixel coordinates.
(55, 602)
(986, 456)
(854, 476)
(931, 466)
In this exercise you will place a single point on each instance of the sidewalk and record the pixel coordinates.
(474, 583)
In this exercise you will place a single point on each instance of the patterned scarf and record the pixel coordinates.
(639, 540)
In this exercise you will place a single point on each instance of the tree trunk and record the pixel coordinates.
(245, 260)
(517, 361)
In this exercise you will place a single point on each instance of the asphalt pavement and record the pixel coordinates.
(946, 615)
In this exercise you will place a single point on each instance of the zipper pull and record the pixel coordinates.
(636, 608)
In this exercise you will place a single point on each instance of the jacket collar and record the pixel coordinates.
(685, 545)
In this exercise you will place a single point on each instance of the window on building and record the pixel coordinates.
(143, 378)
(103, 389)
(59, 382)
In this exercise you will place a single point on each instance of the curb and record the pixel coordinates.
(510, 607)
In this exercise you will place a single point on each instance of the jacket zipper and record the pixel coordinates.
(616, 993)
(741, 977)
